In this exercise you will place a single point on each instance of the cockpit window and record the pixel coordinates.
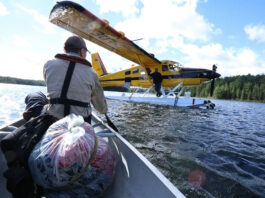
(135, 71)
(164, 68)
(178, 64)
(127, 72)
(171, 67)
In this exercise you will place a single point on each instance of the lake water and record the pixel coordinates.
(204, 153)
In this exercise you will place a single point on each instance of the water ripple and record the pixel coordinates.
(226, 144)
(224, 147)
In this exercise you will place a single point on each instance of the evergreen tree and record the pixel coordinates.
(245, 87)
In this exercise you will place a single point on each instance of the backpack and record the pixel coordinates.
(17, 147)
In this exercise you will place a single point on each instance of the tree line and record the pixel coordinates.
(11, 80)
(244, 87)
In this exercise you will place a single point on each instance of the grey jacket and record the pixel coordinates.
(84, 86)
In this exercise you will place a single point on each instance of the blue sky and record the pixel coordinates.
(197, 33)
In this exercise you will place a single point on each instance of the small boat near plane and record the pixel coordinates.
(135, 176)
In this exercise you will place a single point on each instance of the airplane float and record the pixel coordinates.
(76, 19)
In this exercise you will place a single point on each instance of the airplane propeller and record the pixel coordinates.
(212, 83)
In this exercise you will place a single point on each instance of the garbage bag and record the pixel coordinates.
(71, 161)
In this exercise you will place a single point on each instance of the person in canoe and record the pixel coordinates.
(72, 84)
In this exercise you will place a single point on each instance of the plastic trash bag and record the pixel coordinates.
(70, 161)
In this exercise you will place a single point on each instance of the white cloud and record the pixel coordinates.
(21, 58)
(3, 10)
(126, 7)
(20, 41)
(230, 61)
(112, 62)
(44, 26)
(168, 18)
(175, 25)
(26, 64)
(159, 22)
(256, 32)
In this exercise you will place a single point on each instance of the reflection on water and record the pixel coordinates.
(205, 153)
(12, 100)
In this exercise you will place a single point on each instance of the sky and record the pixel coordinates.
(196, 33)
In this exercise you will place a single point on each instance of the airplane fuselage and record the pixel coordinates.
(172, 76)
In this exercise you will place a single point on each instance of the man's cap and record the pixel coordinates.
(75, 42)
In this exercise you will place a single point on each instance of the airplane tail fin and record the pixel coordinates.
(98, 65)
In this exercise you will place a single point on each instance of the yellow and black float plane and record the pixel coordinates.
(76, 19)
(173, 74)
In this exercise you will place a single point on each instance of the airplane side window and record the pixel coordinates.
(164, 68)
(135, 71)
(128, 73)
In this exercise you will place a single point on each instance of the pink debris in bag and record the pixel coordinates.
(70, 144)
(104, 158)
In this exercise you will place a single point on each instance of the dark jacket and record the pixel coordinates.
(157, 77)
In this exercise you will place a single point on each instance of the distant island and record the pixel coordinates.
(241, 87)
(11, 80)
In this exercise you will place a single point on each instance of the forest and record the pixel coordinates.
(11, 80)
(244, 87)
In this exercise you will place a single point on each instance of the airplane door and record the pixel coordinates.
(127, 79)
(127, 82)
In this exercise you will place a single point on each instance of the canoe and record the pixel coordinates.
(135, 176)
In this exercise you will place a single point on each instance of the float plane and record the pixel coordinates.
(78, 20)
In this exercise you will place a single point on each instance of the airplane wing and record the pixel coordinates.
(76, 19)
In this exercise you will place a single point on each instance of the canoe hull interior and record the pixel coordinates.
(135, 176)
